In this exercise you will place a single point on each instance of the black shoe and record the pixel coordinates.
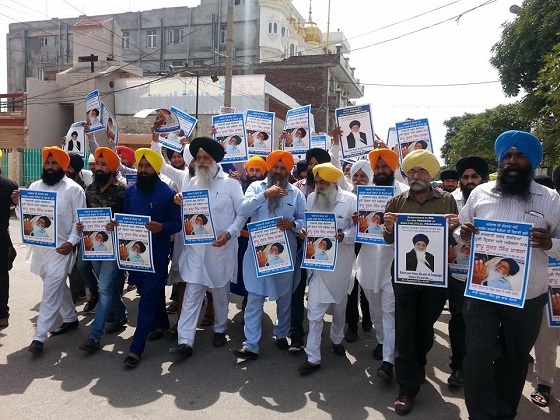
(351, 335)
(456, 378)
(308, 368)
(339, 349)
(172, 308)
(378, 352)
(90, 304)
(116, 327)
(90, 345)
(244, 303)
(220, 339)
(245, 354)
(296, 343)
(36, 347)
(65, 327)
(385, 371)
(131, 362)
(156, 334)
(366, 326)
(182, 350)
(111, 317)
(282, 344)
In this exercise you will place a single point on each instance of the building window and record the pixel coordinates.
(283, 31)
(292, 50)
(41, 74)
(126, 40)
(272, 27)
(238, 2)
(56, 40)
(151, 39)
(43, 42)
(275, 28)
(175, 36)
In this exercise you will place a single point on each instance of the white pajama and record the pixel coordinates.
(382, 311)
(545, 352)
(315, 313)
(190, 310)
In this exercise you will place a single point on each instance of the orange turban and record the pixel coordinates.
(256, 162)
(61, 156)
(111, 158)
(389, 156)
(280, 155)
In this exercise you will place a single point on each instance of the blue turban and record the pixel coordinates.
(328, 242)
(278, 246)
(513, 266)
(526, 143)
(420, 237)
(203, 217)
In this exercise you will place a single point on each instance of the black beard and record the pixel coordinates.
(514, 186)
(146, 182)
(101, 178)
(387, 182)
(52, 177)
(310, 180)
(249, 179)
(465, 191)
(447, 190)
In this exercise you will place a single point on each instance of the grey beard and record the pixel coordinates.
(419, 186)
(205, 176)
(274, 179)
(326, 199)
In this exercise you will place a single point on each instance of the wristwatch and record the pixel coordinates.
(228, 235)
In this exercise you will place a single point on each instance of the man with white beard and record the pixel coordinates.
(209, 266)
(374, 269)
(330, 288)
(417, 307)
(272, 197)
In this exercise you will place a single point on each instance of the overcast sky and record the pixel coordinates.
(452, 51)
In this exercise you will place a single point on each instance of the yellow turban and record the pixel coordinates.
(256, 162)
(61, 156)
(388, 155)
(423, 159)
(280, 155)
(154, 158)
(0, 154)
(328, 172)
(111, 158)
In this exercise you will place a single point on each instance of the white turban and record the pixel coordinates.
(364, 166)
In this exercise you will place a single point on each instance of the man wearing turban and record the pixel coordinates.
(472, 171)
(105, 191)
(498, 338)
(151, 197)
(418, 259)
(356, 136)
(329, 288)
(53, 264)
(271, 197)
(374, 267)
(449, 179)
(414, 331)
(211, 265)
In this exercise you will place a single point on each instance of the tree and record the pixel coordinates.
(519, 54)
(474, 134)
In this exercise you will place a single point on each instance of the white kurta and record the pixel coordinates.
(333, 286)
(374, 260)
(69, 197)
(206, 264)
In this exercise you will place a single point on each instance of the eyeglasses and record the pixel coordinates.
(420, 172)
(472, 176)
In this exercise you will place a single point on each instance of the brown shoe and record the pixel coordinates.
(403, 405)
(4, 323)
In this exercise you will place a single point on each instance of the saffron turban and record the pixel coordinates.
(256, 162)
(280, 155)
(210, 146)
(111, 158)
(526, 143)
(127, 153)
(475, 163)
(154, 158)
(61, 156)
(364, 166)
(389, 156)
(423, 159)
(328, 172)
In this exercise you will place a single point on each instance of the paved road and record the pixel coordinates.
(65, 383)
